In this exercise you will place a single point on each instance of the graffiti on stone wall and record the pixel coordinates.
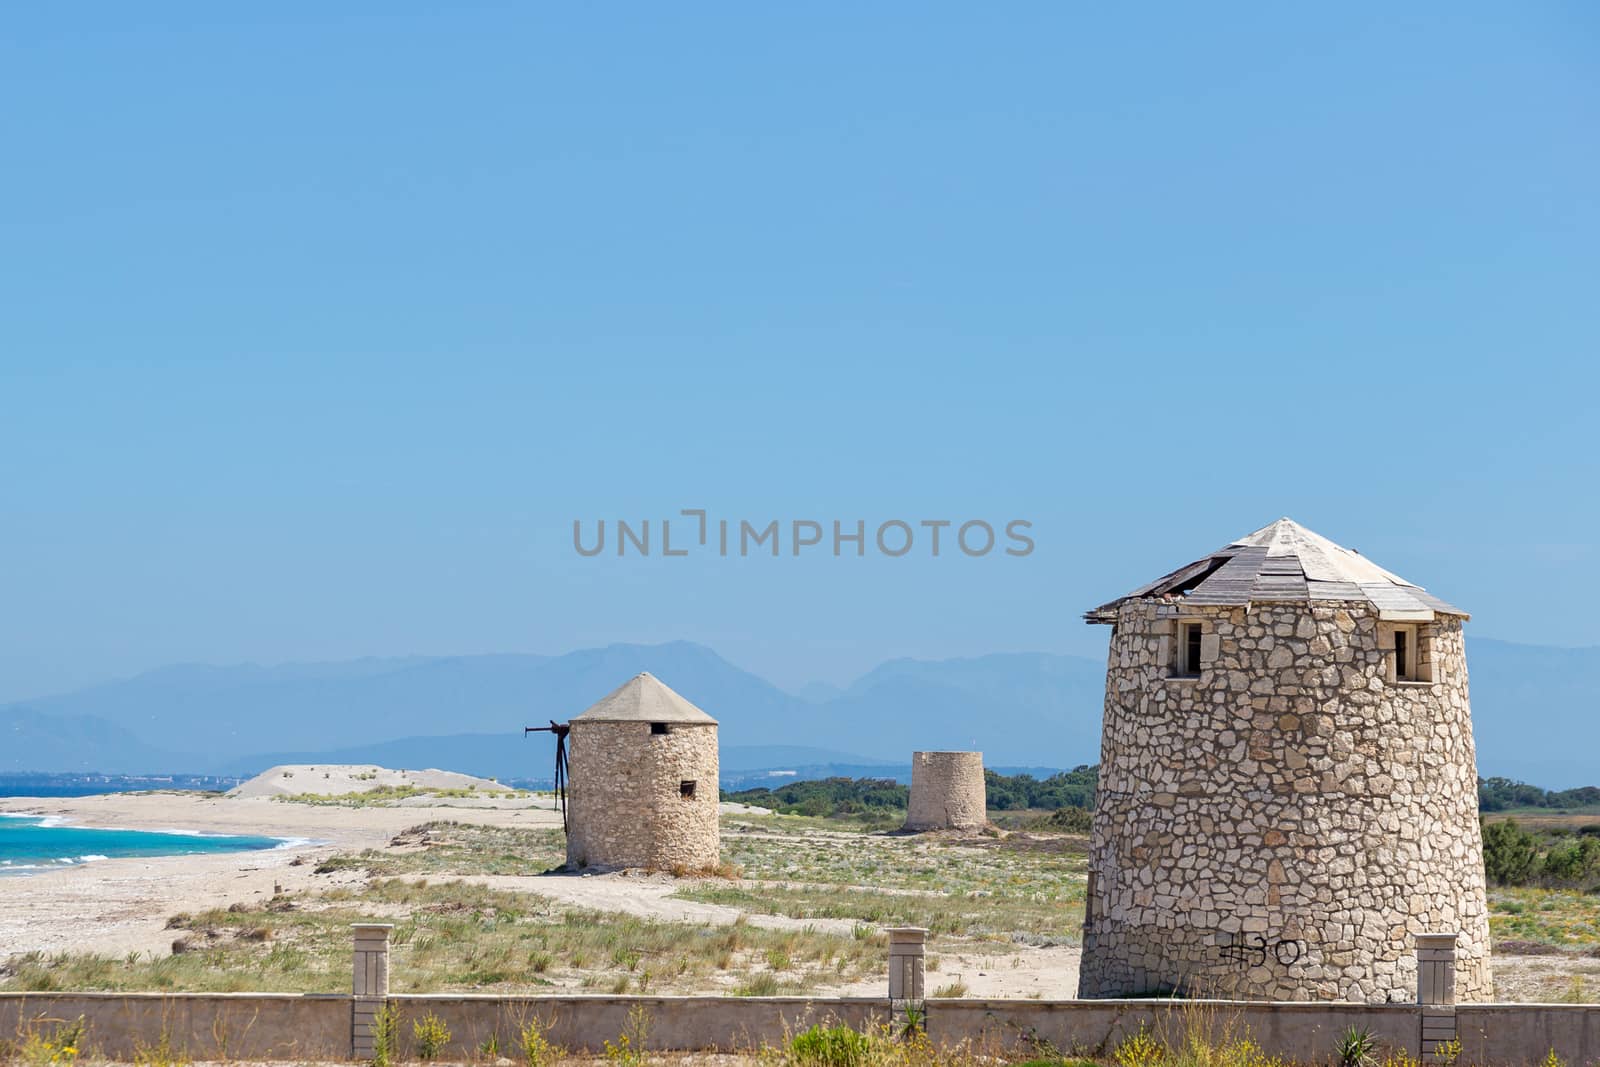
(1256, 950)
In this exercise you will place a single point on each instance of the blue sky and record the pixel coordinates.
(321, 329)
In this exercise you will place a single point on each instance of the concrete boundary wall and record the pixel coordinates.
(1096, 1027)
(268, 1026)
(307, 1027)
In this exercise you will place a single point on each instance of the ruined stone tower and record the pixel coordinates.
(642, 765)
(947, 792)
(1288, 789)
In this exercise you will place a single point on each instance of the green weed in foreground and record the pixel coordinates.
(629, 1048)
(537, 1051)
(430, 1036)
(834, 1046)
(62, 1046)
(883, 1046)
(386, 1035)
(1356, 1047)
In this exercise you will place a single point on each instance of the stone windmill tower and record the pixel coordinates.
(948, 792)
(642, 766)
(1288, 787)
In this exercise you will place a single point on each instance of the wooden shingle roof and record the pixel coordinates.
(1284, 561)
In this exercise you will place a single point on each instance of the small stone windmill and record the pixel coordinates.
(642, 785)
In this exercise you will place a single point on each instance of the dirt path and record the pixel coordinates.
(647, 896)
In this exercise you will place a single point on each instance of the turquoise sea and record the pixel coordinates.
(29, 844)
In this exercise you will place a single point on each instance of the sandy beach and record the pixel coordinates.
(117, 906)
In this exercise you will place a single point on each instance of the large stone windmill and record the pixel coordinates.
(1288, 787)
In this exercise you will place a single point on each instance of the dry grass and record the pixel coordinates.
(454, 936)
(968, 915)
(1546, 818)
(1559, 917)
(443, 847)
(1019, 887)
(385, 796)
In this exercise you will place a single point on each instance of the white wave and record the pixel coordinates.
(38, 817)
(285, 843)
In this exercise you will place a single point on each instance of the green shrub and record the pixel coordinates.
(764, 984)
(431, 1035)
(386, 1036)
(1355, 1047)
(1140, 1050)
(629, 1048)
(1510, 853)
(834, 1046)
(537, 1051)
(62, 1048)
(161, 1054)
(1070, 820)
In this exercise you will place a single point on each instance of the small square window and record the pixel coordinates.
(659, 728)
(686, 790)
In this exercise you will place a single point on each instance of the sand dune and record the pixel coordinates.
(295, 779)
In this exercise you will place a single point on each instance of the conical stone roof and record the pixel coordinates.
(644, 698)
(1284, 561)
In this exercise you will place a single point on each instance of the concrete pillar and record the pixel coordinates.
(369, 985)
(906, 967)
(1436, 989)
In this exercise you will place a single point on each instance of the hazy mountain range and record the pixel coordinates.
(1534, 708)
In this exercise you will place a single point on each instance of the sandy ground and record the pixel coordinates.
(121, 905)
(1558, 976)
(118, 906)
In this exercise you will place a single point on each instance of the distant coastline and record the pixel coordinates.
(78, 784)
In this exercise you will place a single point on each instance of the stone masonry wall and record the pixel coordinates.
(1283, 825)
(625, 806)
(947, 792)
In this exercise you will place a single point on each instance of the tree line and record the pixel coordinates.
(1503, 794)
(1075, 789)
(841, 797)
